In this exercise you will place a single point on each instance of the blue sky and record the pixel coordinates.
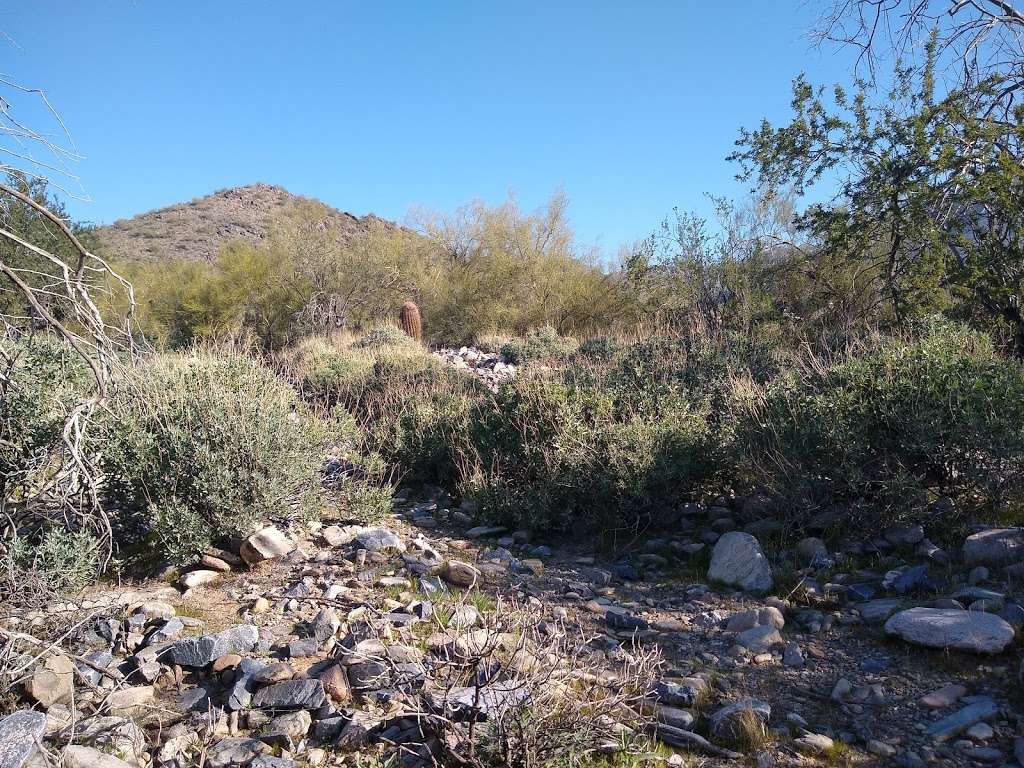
(630, 108)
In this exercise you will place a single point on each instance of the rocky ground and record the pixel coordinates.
(331, 644)
(488, 367)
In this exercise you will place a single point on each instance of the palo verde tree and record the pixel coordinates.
(930, 192)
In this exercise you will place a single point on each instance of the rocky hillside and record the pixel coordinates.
(197, 229)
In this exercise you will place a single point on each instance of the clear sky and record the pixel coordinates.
(629, 107)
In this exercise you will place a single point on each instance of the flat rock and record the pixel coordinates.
(962, 719)
(293, 694)
(266, 544)
(380, 540)
(877, 611)
(19, 733)
(203, 650)
(738, 561)
(996, 546)
(53, 682)
(233, 752)
(760, 639)
(75, 756)
(950, 628)
(461, 574)
(944, 696)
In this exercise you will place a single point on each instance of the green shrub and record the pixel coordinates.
(64, 561)
(599, 348)
(541, 344)
(205, 445)
(38, 389)
(556, 456)
(384, 336)
(880, 433)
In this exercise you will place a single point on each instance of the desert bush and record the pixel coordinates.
(541, 344)
(553, 455)
(54, 560)
(383, 336)
(42, 379)
(884, 430)
(599, 348)
(203, 445)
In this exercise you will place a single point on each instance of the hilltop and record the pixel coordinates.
(197, 229)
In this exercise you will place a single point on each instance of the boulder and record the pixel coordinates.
(996, 546)
(19, 735)
(945, 628)
(738, 561)
(203, 650)
(266, 544)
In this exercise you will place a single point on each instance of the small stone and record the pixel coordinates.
(131, 702)
(726, 722)
(760, 639)
(461, 574)
(336, 685)
(944, 696)
(980, 732)
(214, 564)
(380, 540)
(880, 748)
(227, 661)
(230, 752)
(792, 656)
(813, 744)
(198, 578)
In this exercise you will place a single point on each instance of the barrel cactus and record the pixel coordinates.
(409, 318)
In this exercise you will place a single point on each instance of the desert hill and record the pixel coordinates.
(197, 229)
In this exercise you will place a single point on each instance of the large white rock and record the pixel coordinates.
(972, 631)
(738, 561)
(265, 544)
(996, 546)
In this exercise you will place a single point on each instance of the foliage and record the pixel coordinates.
(207, 444)
(542, 343)
(63, 560)
(42, 380)
(879, 433)
(930, 193)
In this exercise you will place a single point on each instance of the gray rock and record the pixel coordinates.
(53, 681)
(75, 756)
(962, 719)
(996, 546)
(490, 701)
(292, 694)
(380, 540)
(202, 650)
(726, 721)
(949, 628)
(760, 639)
(756, 617)
(738, 561)
(19, 734)
(877, 611)
(240, 696)
(813, 744)
(233, 752)
(369, 675)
